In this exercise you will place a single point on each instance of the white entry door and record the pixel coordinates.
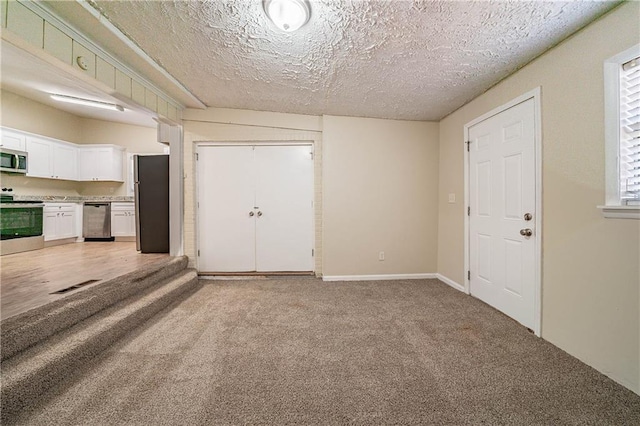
(502, 201)
(255, 208)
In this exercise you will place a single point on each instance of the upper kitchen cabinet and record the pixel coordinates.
(65, 161)
(40, 161)
(101, 163)
(13, 140)
(51, 159)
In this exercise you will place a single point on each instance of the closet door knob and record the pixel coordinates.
(251, 214)
(259, 213)
(526, 232)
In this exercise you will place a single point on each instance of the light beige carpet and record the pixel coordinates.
(291, 350)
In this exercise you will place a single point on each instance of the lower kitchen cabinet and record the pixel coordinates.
(59, 221)
(123, 220)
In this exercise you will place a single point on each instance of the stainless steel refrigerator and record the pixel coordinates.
(151, 189)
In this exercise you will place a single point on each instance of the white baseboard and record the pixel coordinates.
(451, 282)
(378, 277)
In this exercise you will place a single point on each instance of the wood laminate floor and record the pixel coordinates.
(28, 279)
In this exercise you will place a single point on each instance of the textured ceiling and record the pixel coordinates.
(416, 60)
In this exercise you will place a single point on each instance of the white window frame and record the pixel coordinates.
(614, 208)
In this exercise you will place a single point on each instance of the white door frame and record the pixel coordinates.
(249, 143)
(534, 94)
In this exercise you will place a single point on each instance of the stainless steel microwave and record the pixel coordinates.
(13, 161)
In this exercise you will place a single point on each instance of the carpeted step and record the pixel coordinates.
(29, 373)
(28, 328)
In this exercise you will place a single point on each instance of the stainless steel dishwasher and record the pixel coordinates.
(96, 221)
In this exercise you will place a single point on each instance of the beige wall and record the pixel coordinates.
(30, 116)
(591, 272)
(229, 125)
(380, 189)
(379, 175)
(135, 139)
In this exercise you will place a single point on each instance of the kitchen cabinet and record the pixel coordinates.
(101, 163)
(13, 140)
(40, 158)
(59, 221)
(51, 159)
(54, 159)
(123, 220)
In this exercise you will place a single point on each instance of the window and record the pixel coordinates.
(622, 134)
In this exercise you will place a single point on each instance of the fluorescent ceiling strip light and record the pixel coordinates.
(87, 102)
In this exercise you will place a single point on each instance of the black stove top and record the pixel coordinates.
(5, 199)
(21, 201)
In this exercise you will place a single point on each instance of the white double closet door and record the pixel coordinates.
(255, 208)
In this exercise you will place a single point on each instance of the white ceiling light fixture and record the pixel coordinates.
(288, 15)
(87, 102)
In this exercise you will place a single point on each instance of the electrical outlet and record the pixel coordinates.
(381, 256)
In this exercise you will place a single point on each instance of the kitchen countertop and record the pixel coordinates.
(74, 198)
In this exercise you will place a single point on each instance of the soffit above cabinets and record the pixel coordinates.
(416, 60)
(87, 21)
(33, 78)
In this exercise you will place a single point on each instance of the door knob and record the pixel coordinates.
(251, 214)
(526, 232)
(259, 213)
(528, 217)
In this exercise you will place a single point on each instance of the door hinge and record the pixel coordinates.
(313, 252)
(468, 144)
(468, 211)
(469, 275)
(197, 158)
(198, 252)
(311, 153)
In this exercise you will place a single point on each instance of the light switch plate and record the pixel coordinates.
(452, 198)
